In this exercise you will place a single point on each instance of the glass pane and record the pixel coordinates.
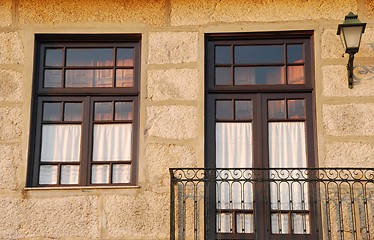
(61, 143)
(73, 112)
(53, 78)
(89, 78)
(279, 223)
(125, 57)
(244, 223)
(112, 142)
(103, 111)
(224, 223)
(259, 75)
(223, 55)
(121, 173)
(277, 109)
(224, 110)
(124, 77)
(89, 57)
(100, 173)
(243, 109)
(69, 174)
(296, 109)
(295, 53)
(295, 75)
(53, 57)
(259, 54)
(223, 76)
(52, 111)
(48, 174)
(301, 223)
(123, 111)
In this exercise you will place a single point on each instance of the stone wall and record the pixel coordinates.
(171, 102)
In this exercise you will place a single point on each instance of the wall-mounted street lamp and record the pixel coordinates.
(350, 34)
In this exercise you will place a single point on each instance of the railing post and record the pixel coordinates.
(172, 206)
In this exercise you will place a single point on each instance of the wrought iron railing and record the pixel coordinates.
(305, 203)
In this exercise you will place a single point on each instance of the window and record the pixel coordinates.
(85, 110)
(259, 116)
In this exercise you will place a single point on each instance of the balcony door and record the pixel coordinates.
(259, 124)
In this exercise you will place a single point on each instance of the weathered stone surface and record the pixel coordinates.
(11, 48)
(177, 122)
(5, 13)
(145, 216)
(349, 119)
(172, 47)
(349, 154)
(335, 81)
(197, 12)
(10, 123)
(9, 163)
(178, 84)
(369, 9)
(57, 217)
(161, 157)
(61, 11)
(11, 85)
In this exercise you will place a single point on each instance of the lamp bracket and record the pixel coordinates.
(350, 70)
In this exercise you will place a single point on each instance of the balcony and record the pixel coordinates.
(307, 203)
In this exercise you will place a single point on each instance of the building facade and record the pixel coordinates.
(165, 74)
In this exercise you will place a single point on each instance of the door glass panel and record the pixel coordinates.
(259, 54)
(223, 55)
(296, 109)
(103, 111)
(52, 111)
(123, 111)
(243, 109)
(277, 109)
(86, 57)
(224, 110)
(73, 112)
(223, 76)
(279, 223)
(259, 75)
(244, 223)
(295, 75)
(53, 78)
(224, 222)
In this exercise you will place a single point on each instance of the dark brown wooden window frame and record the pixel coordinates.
(261, 93)
(87, 96)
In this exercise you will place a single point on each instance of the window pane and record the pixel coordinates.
(259, 54)
(121, 173)
(301, 223)
(123, 111)
(295, 53)
(259, 75)
(112, 142)
(223, 55)
(224, 110)
(296, 109)
(125, 57)
(89, 78)
(103, 111)
(124, 77)
(279, 223)
(100, 173)
(48, 174)
(276, 109)
(224, 223)
(295, 75)
(223, 76)
(89, 57)
(244, 223)
(53, 79)
(73, 112)
(61, 143)
(243, 110)
(52, 111)
(53, 57)
(69, 174)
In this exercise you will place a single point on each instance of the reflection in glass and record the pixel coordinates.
(121, 173)
(124, 77)
(103, 111)
(259, 54)
(295, 53)
(259, 75)
(223, 76)
(223, 55)
(125, 57)
(243, 109)
(89, 57)
(224, 110)
(69, 174)
(52, 111)
(73, 112)
(276, 109)
(48, 174)
(123, 111)
(100, 173)
(53, 57)
(295, 75)
(53, 78)
(89, 78)
(296, 108)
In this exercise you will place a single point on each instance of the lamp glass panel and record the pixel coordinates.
(352, 36)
